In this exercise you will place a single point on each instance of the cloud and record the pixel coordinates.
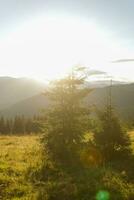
(123, 60)
(96, 72)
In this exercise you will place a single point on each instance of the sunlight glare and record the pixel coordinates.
(46, 47)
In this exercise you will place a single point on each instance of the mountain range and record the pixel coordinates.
(21, 96)
(13, 90)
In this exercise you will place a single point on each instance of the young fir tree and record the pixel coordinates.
(112, 139)
(67, 117)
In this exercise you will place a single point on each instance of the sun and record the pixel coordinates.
(46, 47)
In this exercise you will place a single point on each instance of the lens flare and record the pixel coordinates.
(103, 195)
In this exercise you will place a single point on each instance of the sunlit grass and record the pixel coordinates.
(18, 154)
(21, 158)
(131, 133)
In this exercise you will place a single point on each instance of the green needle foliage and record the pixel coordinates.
(111, 138)
(66, 119)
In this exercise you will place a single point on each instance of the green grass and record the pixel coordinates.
(131, 134)
(21, 163)
(18, 156)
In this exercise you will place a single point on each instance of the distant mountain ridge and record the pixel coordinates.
(28, 107)
(33, 101)
(122, 96)
(13, 90)
(104, 83)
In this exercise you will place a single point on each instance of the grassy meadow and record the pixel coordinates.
(21, 158)
(19, 155)
(131, 133)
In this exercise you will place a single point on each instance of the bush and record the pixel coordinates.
(86, 185)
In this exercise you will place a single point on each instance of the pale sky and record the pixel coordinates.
(43, 39)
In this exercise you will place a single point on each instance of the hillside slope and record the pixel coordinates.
(29, 107)
(122, 100)
(13, 90)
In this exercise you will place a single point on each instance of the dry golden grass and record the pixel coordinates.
(131, 133)
(20, 157)
(18, 154)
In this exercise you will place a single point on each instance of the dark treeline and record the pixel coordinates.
(20, 125)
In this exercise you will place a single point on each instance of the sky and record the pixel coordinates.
(43, 39)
